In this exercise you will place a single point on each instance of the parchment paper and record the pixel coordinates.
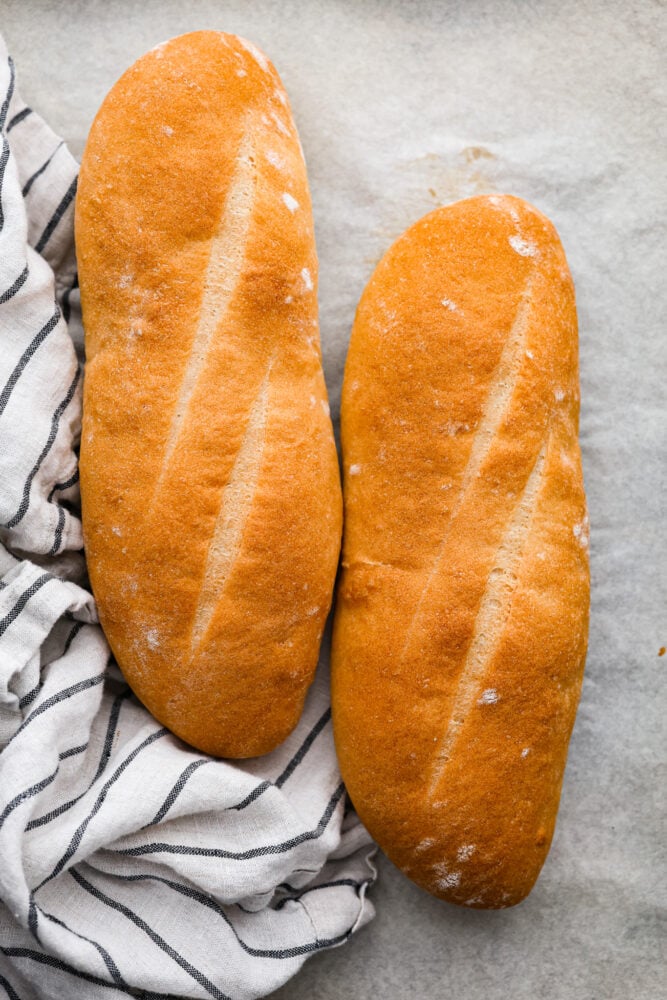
(403, 106)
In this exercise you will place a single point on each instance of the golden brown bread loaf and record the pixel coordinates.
(462, 609)
(209, 479)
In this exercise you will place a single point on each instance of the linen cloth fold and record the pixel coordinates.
(130, 863)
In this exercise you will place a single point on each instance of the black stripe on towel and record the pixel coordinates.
(294, 762)
(32, 919)
(55, 422)
(254, 852)
(26, 794)
(102, 952)
(73, 751)
(66, 201)
(71, 637)
(37, 340)
(18, 117)
(61, 487)
(11, 992)
(40, 170)
(28, 698)
(163, 945)
(10, 93)
(177, 789)
(13, 289)
(29, 793)
(4, 158)
(58, 533)
(55, 699)
(29, 592)
(304, 748)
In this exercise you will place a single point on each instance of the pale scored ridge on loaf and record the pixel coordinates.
(491, 616)
(496, 404)
(237, 499)
(223, 271)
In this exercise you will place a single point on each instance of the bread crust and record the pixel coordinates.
(209, 479)
(462, 609)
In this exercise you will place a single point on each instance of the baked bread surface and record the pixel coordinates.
(462, 608)
(209, 479)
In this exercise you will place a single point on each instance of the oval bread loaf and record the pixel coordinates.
(462, 609)
(209, 478)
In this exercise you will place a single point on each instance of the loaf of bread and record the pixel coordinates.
(209, 478)
(462, 610)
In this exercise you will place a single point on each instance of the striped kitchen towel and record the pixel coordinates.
(130, 864)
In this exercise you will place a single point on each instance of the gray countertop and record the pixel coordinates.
(403, 106)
